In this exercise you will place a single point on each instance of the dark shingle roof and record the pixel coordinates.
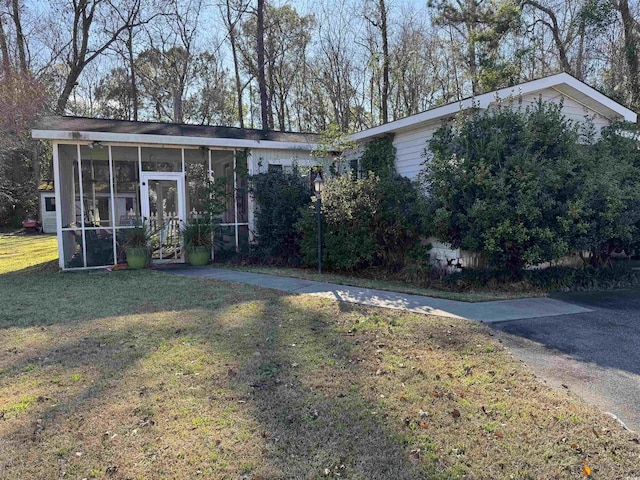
(83, 124)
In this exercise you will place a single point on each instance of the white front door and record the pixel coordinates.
(163, 208)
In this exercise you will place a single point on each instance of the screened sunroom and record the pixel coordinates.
(108, 182)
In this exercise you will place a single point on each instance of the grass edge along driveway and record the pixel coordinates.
(383, 284)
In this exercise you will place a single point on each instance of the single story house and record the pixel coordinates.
(111, 175)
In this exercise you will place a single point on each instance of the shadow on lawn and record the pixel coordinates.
(306, 393)
(295, 370)
(45, 267)
(67, 298)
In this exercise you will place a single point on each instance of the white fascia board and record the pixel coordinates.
(414, 120)
(483, 101)
(624, 112)
(142, 139)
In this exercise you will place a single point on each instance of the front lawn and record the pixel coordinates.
(20, 251)
(149, 375)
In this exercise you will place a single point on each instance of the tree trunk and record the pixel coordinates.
(385, 62)
(262, 84)
(22, 58)
(236, 68)
(555, 32)
(580, 57)
(132, 74)
(69, 84)
(79, 54)
(177, 104)
(271, 94)
(239, 88)
(631, 50)
(4, 50)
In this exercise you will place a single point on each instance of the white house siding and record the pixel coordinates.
(261, 158)
(410, 146)
(572, 109)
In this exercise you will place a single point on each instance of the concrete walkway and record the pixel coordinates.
(490, 312)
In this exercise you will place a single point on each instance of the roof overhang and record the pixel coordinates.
(563, 83)
(147, 139)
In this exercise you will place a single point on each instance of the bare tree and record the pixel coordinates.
(232, 15)
(84, 45)
(631, 30)
(562, 38)
(262, 82)
(167, 66)
(379, 20)
(4, 47)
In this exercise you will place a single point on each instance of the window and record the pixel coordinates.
(274, 168)
(354, 167)
(50, 204)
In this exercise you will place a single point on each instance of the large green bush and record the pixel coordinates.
(379, 157)
(603, 210)
(368, 222)
(279, 196)
(517, 185)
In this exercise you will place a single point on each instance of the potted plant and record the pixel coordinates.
(198, 236)
(137, 247)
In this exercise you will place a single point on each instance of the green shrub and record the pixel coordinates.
(379, 157)
(279, 197)
(366, 222)
(603, 209)
(517, 185)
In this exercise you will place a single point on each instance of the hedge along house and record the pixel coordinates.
(111, 176)
(410, 135)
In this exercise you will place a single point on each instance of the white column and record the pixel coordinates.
(113, 207)
(84, 242)
(58, 188)
(140, 201)
(235, 199)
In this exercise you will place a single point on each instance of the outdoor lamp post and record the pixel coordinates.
(317, 186)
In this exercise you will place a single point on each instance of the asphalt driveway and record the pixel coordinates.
(595, 355)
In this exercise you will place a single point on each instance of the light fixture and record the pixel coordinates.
(317, 185)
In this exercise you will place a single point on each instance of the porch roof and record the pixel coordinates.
(64, 128)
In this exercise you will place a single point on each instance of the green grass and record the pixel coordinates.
(381, 284)
(148, 375)
(21, 252)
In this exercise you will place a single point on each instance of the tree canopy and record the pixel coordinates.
(296, 66)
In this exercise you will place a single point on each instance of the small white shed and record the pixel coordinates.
(48, 209)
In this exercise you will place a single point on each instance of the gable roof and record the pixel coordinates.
(104, 130)
(564, 83)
